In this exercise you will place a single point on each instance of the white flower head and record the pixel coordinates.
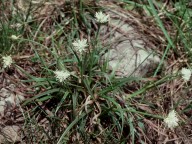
(7, 61)
(14, 37)
(186, 74)
(101, 17)
(80, 45)
(171, 120)
(62, 75)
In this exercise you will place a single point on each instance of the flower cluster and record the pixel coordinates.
(186, 74)
(62, 75)
(101, 17)
(80, 45)
(7, 61)
(171, 120)
(14, 37)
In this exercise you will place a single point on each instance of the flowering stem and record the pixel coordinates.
(143, 113)
(98, 32)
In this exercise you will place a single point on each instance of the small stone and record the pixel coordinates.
(19, 99)
(4, 93)
(2, 108)
(12, 87)
(10, 99)
(10, 133)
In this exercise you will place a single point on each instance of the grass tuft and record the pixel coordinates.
(91, 104)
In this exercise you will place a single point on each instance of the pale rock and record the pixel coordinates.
(4, 93)
(2, 107)
(19, 99)
(10, 134)
(10, 99)
(127, 52)
(12, 87)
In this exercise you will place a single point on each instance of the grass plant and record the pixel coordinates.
(93, 105)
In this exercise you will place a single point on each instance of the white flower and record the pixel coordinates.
(7, 61)
(14, 37)
(101, 17)
(62, 75)
(171, 120)
(80, 45)
(186, 74)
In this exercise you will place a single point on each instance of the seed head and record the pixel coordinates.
(171, 120)
(80, 45)
(7, 61)
(62, 75)
(14, 37)
(101, 17)
(186, 74)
